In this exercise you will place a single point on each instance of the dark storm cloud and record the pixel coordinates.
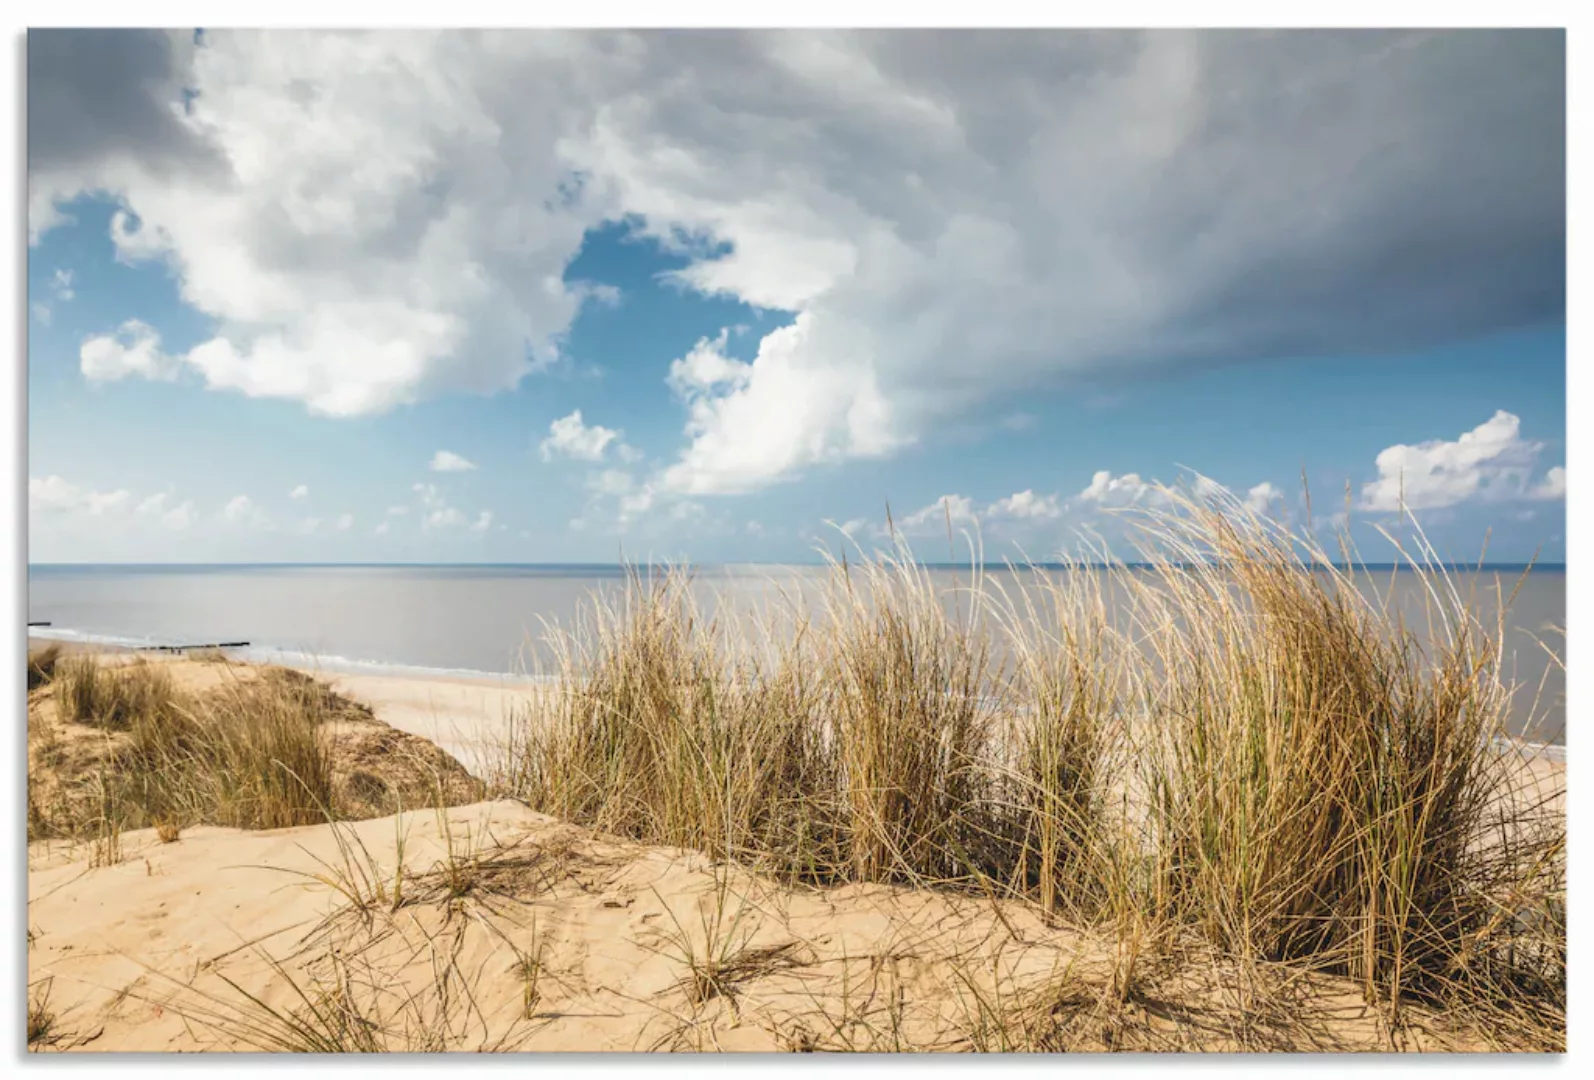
(95, 94)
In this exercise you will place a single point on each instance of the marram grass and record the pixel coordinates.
(1243, 747)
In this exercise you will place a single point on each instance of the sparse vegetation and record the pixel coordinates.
(253, 751)
(42, 1029)
(41, 665)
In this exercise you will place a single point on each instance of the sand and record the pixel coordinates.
(465, 717)
(572, 941)
(510, 930)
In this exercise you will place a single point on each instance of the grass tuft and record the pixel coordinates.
(1237, 741)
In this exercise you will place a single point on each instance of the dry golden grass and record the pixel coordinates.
(41, 665)
(1246, 750)
(126, 748)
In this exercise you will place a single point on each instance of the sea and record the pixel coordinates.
(493, 620)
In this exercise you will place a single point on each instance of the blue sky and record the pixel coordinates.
(699, 319)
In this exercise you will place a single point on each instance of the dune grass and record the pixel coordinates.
(249, 754)
(41, 665)
(1246, 748)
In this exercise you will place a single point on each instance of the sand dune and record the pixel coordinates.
(490, 926)
(566, 940)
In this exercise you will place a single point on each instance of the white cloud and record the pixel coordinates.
(956, 507)
(636, 503)
(569, 437)
(444, 517)
(435, 511)
(176, 518)
(1026, 504)
(448, 461)
(1262, 498)
(133, 350)
(753, 423)
(381, 529)
(1108, 490)
(41, 312)
(241, 510)
(300, 492)
(307, 526)
(611, 482)
(414, 238)
(483, 522)
(61, 285)
(344, 523)
(1490, 462)
(950, 221)
(53, 494)
(1552, 486)
(706, 369)
(397, 511)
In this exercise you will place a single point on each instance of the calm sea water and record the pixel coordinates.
(491, 618)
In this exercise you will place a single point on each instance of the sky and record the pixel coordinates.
(729, 297)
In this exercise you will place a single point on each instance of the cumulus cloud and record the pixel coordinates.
(448, 461)
(414, 239)
(1491, 462)
(53, 494)
(133, 350)
(241, 510)
(957, 508)
(57, 497)
(706, 368)
(344, 523)
(753, 423)
(177, 518)
(300, 492)
(444, 517)
(1108, 490)
(61, 285)
(1263, 498)
(381, 529)
(611, 482)
(946, 218)
(436, 513)
(570, 437)
(1026, 504)
(1552, 486)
